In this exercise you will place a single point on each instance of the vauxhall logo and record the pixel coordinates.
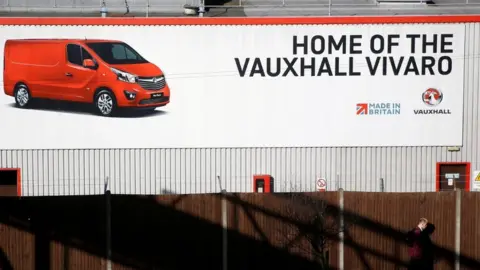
(432, 97)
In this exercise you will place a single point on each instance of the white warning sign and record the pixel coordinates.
(476, 181)
(476, 174)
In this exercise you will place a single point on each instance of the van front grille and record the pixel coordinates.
(152, 83)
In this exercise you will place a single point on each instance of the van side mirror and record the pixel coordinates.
(88, 63)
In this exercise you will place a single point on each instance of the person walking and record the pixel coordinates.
(416, 246)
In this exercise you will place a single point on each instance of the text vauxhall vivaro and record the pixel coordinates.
(106, 73)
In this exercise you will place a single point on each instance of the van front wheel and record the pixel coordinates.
(105, 103)
(22, 96)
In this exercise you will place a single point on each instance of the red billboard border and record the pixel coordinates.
(141, 21)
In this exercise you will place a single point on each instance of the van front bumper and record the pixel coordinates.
(143, 98)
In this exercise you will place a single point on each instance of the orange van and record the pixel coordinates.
(106, 73)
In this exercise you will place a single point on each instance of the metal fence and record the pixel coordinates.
(266, 7)
(254, 3)
(165, 3)
(238, 231)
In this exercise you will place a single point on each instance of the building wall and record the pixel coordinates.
(156, 171)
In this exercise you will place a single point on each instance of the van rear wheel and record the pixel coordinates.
(22, 96)
(105, 103)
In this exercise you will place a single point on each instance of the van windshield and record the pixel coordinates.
(116, 53)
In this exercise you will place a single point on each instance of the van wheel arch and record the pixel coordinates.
(19, 83)
(101, 89)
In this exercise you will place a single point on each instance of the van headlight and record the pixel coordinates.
(124, 76)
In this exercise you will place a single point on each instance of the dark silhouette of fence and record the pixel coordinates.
(200, 231)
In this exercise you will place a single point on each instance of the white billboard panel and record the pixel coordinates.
(232, 86)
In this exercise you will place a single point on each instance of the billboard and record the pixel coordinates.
(154, 86)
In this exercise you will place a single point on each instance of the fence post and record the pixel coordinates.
(108, 213)
(458, 224)
(148, 9)
(103, 9)
(201, 8)
(337, 181)
(341, 234)
(225, 230)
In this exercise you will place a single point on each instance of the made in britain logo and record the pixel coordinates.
(383, 108)
(432, 97)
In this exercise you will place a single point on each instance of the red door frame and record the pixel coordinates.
(19, 179)
(267, 178)
(467, 174)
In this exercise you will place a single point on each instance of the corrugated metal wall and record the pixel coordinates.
(156, 171)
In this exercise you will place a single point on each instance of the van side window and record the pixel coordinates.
(86, 55)
(74, 54)
(122, 52)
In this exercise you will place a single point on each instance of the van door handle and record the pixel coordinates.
(68, 74)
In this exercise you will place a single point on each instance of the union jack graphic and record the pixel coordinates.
(362, 108)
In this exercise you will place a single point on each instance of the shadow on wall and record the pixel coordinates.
(152, 233)
(218, 2)
(4, 261)
(224, 8)
(380, 254)
(145, 234)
